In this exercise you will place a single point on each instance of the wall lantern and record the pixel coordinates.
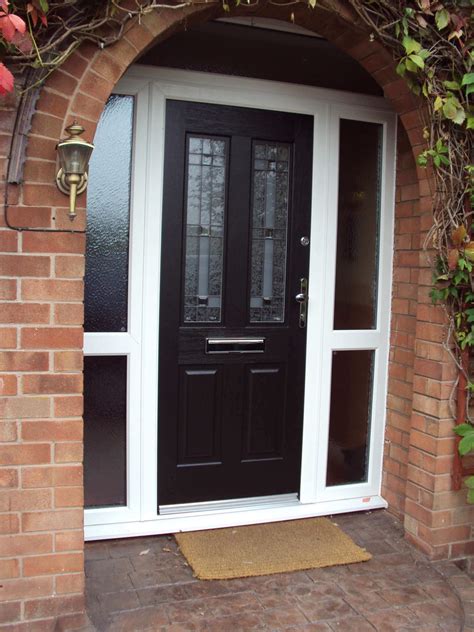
(73, 154)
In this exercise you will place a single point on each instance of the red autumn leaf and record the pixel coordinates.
(23, 42)
(4, 5)
(33, 13)
(453, 258)
(6, 80)
(10, 24)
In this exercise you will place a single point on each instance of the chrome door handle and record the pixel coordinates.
(302, 299)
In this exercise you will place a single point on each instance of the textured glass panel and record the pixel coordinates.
(105, 430)
(349, 424)
(205, 210)
(358, 225)
(108, 215)
(269, 231)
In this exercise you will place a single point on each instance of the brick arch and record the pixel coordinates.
(42, 343)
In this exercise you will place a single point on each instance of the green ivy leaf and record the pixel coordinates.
(470, 482)
(417, 60)
(410, 45)
(468, 79)
(466, 444)
(470, 496)
(442, 19)
(463, 429)
(451, 85)
(470, 122)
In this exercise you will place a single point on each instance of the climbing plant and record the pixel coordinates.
(433, 45)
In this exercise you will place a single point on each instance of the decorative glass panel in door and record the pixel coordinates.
(269, 231)
(205, 212)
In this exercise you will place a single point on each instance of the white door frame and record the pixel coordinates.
(152, 86)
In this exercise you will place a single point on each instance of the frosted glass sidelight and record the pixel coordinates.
(358, 225)
(108, 219)
(105, 430)
(205, 212)
(269, 231)
(349, 422)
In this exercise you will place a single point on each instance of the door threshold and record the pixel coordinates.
(231, 517)
(240, 504)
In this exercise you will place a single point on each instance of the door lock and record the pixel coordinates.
(302, 299)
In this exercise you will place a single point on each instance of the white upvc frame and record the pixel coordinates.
(152, 86)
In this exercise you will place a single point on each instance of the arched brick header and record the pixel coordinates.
(41, 338)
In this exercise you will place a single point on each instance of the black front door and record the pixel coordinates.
(236, 215)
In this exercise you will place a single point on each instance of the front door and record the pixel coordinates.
(234, 270)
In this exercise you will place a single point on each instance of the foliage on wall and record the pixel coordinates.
(433, 44)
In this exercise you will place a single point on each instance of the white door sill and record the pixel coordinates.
(227, 516)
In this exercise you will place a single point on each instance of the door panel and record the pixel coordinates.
(231, 377)
(264, 412)
(200, 419)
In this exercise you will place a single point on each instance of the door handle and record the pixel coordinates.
(302, 299)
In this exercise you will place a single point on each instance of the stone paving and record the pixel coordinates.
(145, 584)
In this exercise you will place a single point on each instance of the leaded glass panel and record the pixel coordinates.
(269, 231)
(205, 211)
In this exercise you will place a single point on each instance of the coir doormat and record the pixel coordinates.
(264, 549)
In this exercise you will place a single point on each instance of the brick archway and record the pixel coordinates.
(41, 338)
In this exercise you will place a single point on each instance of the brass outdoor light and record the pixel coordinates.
(73, 154)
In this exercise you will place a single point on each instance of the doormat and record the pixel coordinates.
(264, 549)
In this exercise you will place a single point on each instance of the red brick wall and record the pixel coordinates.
(41, 293)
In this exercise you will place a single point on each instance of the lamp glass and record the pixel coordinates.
(74, 156)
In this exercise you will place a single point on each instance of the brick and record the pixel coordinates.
(8, 478)
(46, 125)
(23, 361)
(69, 540)
(8, 385)
(25, 544)
(55, 243)
(8, 431)
(71, 266)
(52, 520)
(50, 383)
(25, 266)
(87, 107)
(30, 216)
(68, 452)
(8, 241)
(30, 407)
(51, 103)
(9, 569)
(8, 289)
(9, 523)
(25, 588)
(64, 430)
(55, 476)
(54, 606)
(25, 454)
(69, 313)
(50, 289)
(24, 313)
(68, 361)
(8, 337)
(10, 612)
(52, 564)
(73, 583)
(71, 406)
(25, 500)
(52, 338)
(69, 497)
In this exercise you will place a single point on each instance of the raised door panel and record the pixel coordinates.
(264, 412)
(200, 416)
